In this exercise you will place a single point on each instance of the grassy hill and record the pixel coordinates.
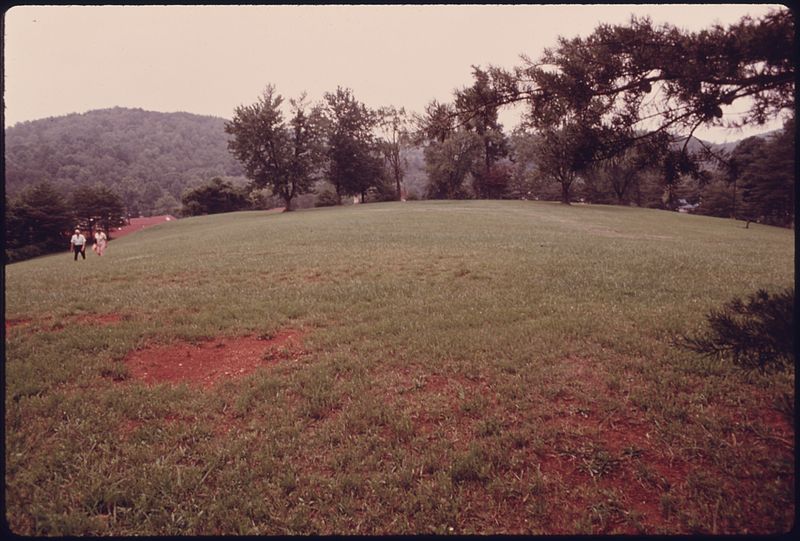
(457, 367)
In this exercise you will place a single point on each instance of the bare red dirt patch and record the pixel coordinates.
(137, 224)
(17, 322)
(209, 362)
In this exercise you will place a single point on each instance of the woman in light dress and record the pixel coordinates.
(99, 242)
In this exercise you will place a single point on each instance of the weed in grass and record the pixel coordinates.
(668, 505)
(519, 439)
(610, 511)
(318, 389)
(475, 406)
(115, 371)
(489, 427)
(469, 466)
(402, 427)
(596, 461)
(287, 481)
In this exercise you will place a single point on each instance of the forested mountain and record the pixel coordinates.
(144, 156)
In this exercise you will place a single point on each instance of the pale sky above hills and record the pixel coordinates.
(209, 59)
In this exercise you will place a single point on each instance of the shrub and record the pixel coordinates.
(755, 334)
(327, 198)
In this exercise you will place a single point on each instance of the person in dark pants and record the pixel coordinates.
(78, 243)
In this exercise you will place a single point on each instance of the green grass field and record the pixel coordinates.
(466, 367)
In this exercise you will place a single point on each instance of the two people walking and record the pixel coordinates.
(78, 243)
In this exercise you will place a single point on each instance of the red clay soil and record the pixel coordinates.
(207, 363)
(17, 322)
(137, 224)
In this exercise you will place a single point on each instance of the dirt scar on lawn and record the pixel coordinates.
(212, 361)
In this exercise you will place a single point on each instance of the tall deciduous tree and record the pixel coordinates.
(354, 163)
(477, 108)
(448, 164)
(394, 125)
(568, 147)
(284, 157)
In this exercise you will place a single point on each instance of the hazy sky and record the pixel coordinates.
(209, 59)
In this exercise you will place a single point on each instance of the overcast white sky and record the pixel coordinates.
(209, 59)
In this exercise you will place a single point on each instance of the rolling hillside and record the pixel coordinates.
(144, 154)
(448, 367)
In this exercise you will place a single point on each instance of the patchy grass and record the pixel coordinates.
(465, 367)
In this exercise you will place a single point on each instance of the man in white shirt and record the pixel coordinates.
(78, 243)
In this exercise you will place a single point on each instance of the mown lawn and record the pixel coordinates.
(465, 367)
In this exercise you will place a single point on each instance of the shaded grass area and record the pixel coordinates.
(470, 367)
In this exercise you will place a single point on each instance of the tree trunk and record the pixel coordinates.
(287, 200)
(565, 193)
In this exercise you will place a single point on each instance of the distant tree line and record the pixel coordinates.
(609, 119)
(333, 142)
(40, 220)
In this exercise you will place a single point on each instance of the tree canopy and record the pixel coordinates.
(354, 162)
(214, 197)
(284, 157)
(644, 79)
(37, 222)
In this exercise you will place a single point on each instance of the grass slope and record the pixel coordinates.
(470, 367)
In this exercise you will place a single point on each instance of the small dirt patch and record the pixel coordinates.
(18, 322)
(209, 362)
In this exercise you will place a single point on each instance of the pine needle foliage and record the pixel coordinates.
(754, 334)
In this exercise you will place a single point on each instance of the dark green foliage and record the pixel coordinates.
(354, 156)
(327, 198)
(383, 190)
(607, 87)
(619, 68)
(38, 222)
(214, 197)
(717, 199)
(767, 179)
(757, 181)
(755, 334)
(478, 112)
(143, 155)
(97, 207)
(449, 162)
(565, 152)
(437, 124)
(279, 155)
